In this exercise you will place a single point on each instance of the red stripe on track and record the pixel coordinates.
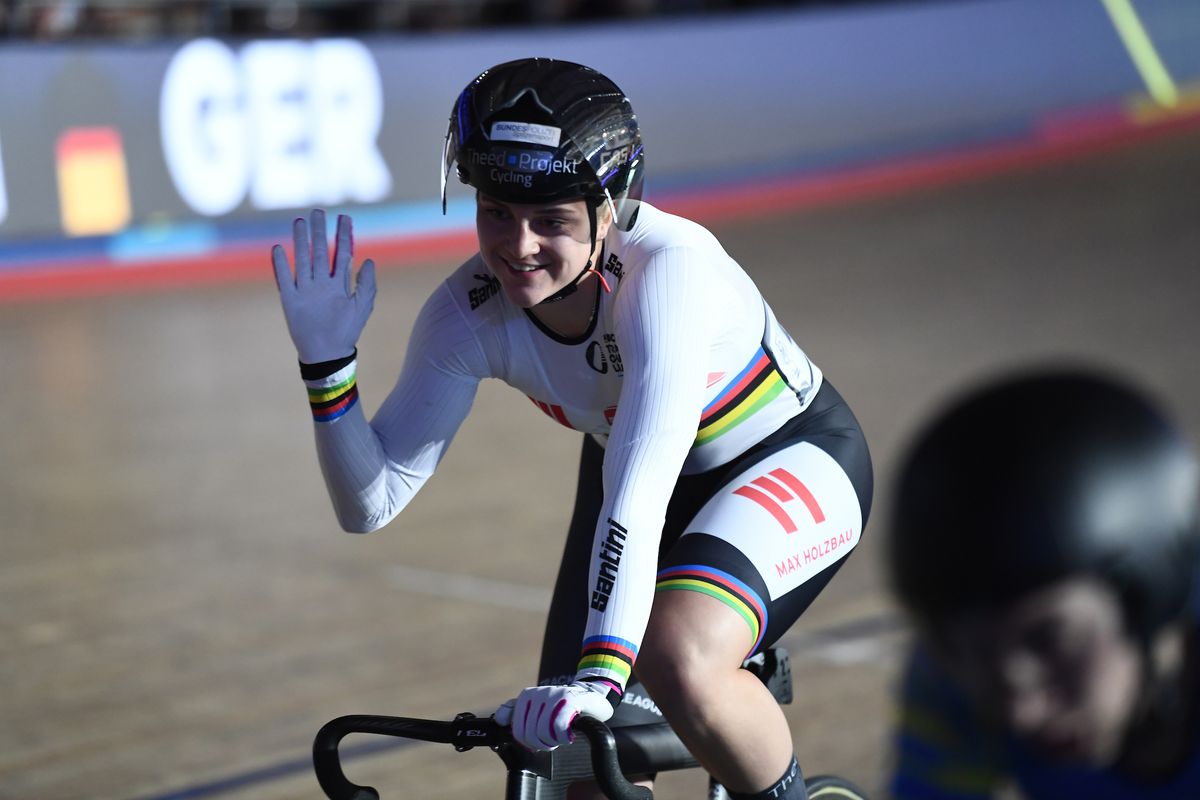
(1059, 138)
(243, 264)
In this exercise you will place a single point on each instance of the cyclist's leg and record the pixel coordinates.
(691, 660)
(565, 622)
(748, 564)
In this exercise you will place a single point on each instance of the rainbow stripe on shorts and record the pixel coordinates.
(724, 587)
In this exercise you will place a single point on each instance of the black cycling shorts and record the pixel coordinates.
(704, 549)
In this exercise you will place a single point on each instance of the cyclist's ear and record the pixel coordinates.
(604, 220)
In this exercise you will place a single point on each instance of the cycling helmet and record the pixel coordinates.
(1042, 476)
(539, 130)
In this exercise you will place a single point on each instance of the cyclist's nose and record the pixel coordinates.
(524, 241)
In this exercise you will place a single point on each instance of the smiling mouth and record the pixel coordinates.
(523, 267)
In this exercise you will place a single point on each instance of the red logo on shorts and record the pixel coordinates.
(781, 486)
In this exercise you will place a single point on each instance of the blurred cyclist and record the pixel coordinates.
(1044, 539)
(722, 481)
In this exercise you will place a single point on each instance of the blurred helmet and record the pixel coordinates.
(1040, 477)
(538, 130)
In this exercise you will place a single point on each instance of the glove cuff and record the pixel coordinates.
(605, 688)
(331, 393)
(324, 369)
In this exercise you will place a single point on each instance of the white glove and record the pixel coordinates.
(541, 716)
(323, 316)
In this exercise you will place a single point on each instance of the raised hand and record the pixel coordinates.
(325, 316)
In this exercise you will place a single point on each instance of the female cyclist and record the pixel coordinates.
(1045, 539)
(722, 480)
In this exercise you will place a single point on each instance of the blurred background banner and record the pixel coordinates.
(121, 162)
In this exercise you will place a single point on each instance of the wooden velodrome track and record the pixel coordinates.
(180, 612)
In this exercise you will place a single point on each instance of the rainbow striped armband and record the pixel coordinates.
(332, 387)
(607, 660)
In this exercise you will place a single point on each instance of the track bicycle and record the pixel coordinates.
(599, 753)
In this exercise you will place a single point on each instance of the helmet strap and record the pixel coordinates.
(573, 286)
(612, 207)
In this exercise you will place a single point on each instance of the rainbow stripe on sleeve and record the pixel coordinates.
(333, 396)
(607, 659)
(751, 389)
(724, 587)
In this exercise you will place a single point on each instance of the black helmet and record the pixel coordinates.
(539, 130)
(1038, 477)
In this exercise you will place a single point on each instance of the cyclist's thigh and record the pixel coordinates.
(772, 536)
(568, 610)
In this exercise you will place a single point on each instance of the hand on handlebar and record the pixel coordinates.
(541, 716)
(468, 731)
(324, 317)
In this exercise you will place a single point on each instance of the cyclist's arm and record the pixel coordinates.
(940, 750)
(373, 469)
(663, 316)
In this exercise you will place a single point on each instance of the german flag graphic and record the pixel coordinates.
(93, 182)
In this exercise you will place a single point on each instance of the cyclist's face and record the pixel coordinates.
(1057, 668)
(535, 250)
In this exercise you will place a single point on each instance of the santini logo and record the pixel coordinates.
(780, 486)
(479, 295)
(610, 563)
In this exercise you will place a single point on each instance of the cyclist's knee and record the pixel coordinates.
(674, 681)
(681, 676)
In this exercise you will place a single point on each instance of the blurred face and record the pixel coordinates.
(535, 250)
(1057, 669)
